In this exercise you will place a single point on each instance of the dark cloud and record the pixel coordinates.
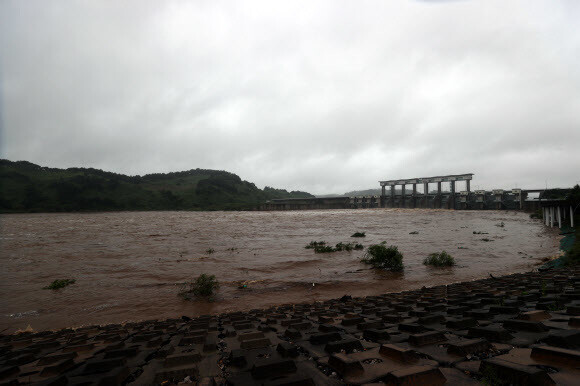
(319, 96)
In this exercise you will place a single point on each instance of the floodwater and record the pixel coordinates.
(129, 266)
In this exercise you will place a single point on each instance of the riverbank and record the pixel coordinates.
(511, 328)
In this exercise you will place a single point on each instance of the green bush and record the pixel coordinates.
(203, 286)
(381, 256)
(60, 283)
(314, 244)
(321, 247)
(359, 234)
(324, 249)
(442, 259)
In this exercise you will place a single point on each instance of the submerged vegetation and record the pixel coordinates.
(204, 286)
(314, 244)
(381, 256)
(442, 259)
(358, 234)
(322, 247)
(60, 283)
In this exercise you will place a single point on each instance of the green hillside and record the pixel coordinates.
(26, 187)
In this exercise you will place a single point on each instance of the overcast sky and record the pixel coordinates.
(322, 96)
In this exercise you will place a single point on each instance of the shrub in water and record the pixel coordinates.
(359, 234)
(323, 249)
(58, 284)
(442, 259)
(314, 244)
(381, 256)
(203, 286)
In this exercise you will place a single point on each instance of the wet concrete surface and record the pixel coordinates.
(517, 329)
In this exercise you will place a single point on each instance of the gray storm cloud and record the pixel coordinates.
(318, 96)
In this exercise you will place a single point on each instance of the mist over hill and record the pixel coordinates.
(364, 192)
(27, 187)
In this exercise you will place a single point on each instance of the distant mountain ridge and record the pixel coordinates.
(365, 192)
(27, 187)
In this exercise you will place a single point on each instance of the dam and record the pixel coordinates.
(423, 192)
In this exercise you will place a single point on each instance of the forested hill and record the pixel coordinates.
(26, 187)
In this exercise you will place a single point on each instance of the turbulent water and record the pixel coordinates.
(131, 265)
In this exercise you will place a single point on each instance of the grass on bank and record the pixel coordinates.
(60, 283)
(442, 259)
(203, 286)
(381, 256)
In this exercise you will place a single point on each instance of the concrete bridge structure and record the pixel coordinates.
(403, 193)
(452, 199)
(422, 200)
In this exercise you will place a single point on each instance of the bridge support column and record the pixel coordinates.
(559, 217)
(414, 195)
(571, 217)
(452, 194)
(402, 196)
(425, 194)
(383, 196)
(544, 215)
(439, 194)
(392, 196)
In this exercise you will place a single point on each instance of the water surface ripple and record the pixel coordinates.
(129, 265)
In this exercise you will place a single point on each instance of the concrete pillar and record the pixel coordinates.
(403, 196)
(383, 196)
(559, 217)
(439, 194)
(467, 183)
(414, 195)
(571, 216)
(392, 196)
(544, 215)
(551, 217)
(452, 194)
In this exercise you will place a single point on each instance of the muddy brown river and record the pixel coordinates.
(129, 266)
